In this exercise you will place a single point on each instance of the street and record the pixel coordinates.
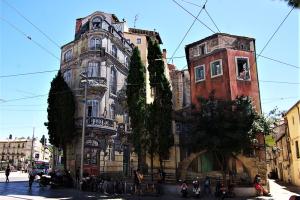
(18, 189)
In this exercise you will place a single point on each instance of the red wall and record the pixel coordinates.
(226, 86)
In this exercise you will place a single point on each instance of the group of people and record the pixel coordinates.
(197, 187)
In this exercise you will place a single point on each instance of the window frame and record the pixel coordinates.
(90, 73)
(200, 48)
(94, 48)
(68, 55)
(138, 40)
(195, 69)
(114, 51)
(297, 149)
(100, 23)
(221, 66)
(237, 68)
(67, 75)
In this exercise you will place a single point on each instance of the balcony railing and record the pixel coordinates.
(95, 84)
(98, 122)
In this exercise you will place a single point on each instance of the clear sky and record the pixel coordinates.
(254, 18)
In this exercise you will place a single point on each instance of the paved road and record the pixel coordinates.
(18, 189)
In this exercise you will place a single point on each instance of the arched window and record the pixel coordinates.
(95, 43)
(93, 69)
(113, 81)
(97, 23)
(68, 55)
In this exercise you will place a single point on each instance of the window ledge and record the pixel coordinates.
(202, 80)
(217, 75)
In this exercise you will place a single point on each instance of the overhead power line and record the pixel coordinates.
(193, 16)
(42, 32)
(29, 38)
(276, 31)
(187, 31)
(29, 73)
(275, 60)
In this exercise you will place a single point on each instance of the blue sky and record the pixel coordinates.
(254, 18)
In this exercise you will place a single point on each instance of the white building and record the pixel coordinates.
(17, 151)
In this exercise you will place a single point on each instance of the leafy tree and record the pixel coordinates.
(61, 110)
(43, 140)
(161, 109)
(294, 3)
(136, 101)
(223, 127)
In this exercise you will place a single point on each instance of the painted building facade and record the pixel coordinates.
(293, 137)
(101, 54)
(225, 64)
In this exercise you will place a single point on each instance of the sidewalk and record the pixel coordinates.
(281, 192)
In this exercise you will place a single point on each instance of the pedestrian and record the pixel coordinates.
(138, 177)
(31, 177)
(260, 190)
(77, 174)
(207, 189)
(7, 172)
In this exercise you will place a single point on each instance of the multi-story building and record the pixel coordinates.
(180, 80)
(18, 151)
(100, 53)
(225, 64)
(282, 152)
(140, 38)
(293, 137)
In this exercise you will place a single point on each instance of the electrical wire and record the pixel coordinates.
(29, 38)
(275, 32)
(187, 32)
(42, 32)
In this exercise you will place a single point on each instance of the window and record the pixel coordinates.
(138, 40)
(293, 119)
(242, 68)
(297, 149)
(90, 156)
(113, 81)
(95, 44)
(68, 55)
(93, 69)
(126, 61)
(68, 75)
(202, 49)
(114, 51)
(112, 111)
(199, 73)
(92, 110)
(216, 68)
(96, 22)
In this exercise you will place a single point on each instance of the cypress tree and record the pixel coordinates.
(61, 110)
(136, 102)
(162, 106)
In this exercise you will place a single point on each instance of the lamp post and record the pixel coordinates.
(84, 75)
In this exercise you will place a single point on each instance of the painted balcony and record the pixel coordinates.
(95, 84)
(105, 125)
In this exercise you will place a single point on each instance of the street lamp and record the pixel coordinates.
(83, 75)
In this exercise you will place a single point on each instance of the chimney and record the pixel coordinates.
(164, 54)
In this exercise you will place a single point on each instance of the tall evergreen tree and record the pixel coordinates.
(162, 106)
(61, 110)
(136, 101)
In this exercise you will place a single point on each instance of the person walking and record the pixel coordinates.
(7, 172)
(31, 177)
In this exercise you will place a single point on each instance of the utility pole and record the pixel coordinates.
(83, 124)
(31, 152)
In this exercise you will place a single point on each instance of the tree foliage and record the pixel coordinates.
(43, 140)
(294, 3)
(223, 127)
(61, 110)
(136, 99)
(160, 110)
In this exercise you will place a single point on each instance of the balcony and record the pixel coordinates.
(102, 123)
(123, 128)
(95, 84)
